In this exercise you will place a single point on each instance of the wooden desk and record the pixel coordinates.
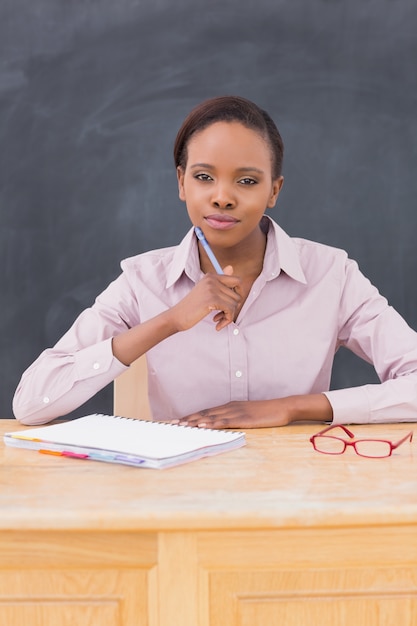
(271, 534)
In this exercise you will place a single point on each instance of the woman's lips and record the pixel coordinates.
(220, 221)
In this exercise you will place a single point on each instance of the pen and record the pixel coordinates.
(209, 251)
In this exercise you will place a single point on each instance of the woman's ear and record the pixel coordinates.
(180, 178)
(276, 188)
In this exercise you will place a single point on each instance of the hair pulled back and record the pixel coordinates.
(230, 109)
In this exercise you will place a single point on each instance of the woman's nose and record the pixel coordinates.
(222, 197)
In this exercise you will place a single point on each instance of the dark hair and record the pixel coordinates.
(229, 109)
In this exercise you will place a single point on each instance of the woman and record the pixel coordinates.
(251, 347)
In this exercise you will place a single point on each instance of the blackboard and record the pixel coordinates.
(91, 96)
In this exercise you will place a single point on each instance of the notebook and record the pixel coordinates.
(125, 440)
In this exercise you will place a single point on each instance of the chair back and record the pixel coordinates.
(131, 391)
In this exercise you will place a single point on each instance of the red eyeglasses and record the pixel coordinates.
(371, 448)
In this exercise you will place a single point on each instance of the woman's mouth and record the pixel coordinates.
(219, 221)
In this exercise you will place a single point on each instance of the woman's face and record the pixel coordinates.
(227, 183)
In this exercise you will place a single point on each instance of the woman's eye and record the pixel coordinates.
(204, 177)
(248, 181)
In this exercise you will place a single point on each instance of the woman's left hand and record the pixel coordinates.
(240, 414)
(263, 413)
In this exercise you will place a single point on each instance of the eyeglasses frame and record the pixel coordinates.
(349, 433)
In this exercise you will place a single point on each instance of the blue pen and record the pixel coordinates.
(209, 251)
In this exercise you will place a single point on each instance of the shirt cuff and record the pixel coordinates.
(98, 360)
(350, 406)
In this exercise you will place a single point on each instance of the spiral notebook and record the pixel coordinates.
(128, 441)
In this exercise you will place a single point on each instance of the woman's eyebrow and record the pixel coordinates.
(239, 169)
(250, 169)
(205, 165)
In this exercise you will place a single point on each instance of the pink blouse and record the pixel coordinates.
(309, 300)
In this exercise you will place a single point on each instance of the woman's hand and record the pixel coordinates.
(214, 292)
(262, 413)
(240, 414)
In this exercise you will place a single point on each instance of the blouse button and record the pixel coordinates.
(45, 400)
(238, 374)
(236, 331)
(96, 366)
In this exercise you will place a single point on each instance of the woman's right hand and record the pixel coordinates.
(214, 292)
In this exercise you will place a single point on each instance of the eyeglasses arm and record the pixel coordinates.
(407, 436)
(332, 426)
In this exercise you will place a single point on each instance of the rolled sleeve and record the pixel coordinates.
(350, 406)
(374, 331)
(68, 382)
(82, 361)
(94, 361)
(392, 401)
